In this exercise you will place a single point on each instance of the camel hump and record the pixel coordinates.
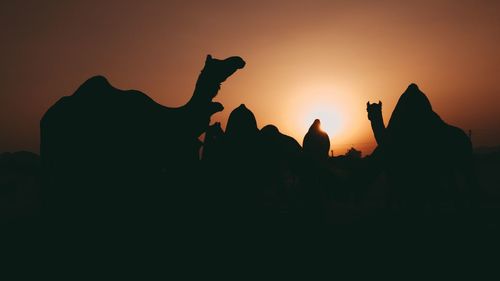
(241, 122)
(95, 84)
(413, 87)
(98, 89)
(270, 130)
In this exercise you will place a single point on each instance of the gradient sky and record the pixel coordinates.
(305, 59)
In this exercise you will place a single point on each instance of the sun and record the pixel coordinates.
(340, 110)
(331, 120)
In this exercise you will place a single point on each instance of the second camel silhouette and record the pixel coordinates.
(428, 162)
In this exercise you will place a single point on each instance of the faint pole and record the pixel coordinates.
(331, 153)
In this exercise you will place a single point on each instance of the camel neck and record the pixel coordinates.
(378, 128)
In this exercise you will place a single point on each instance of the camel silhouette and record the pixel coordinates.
(282, 145)
(241, 124)
(105, 150)
(314, 174)
(316, 143)
(423, 155)
(281, 165)
(236, 177)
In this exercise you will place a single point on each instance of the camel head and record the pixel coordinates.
(270, 130)
(213, 74)
(374, 110)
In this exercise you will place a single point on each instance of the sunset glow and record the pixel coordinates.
(305, 60)
(331, 122)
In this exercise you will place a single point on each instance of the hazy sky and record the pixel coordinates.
(305, 59)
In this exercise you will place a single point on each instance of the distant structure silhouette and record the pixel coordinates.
(423, 155)
(316, 142)
(106, 151)
(353, 153)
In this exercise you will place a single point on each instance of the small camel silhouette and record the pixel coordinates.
(241, 124)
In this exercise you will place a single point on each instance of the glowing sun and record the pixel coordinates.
(331, 120)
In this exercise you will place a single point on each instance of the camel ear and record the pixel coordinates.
(209, 58)
(380, 103)
(367, 104)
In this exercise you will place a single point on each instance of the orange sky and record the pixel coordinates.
(305, 59)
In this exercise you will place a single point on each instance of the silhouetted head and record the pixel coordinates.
(241, 123)
(222, 69)
(215, 72)
(374, 110)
